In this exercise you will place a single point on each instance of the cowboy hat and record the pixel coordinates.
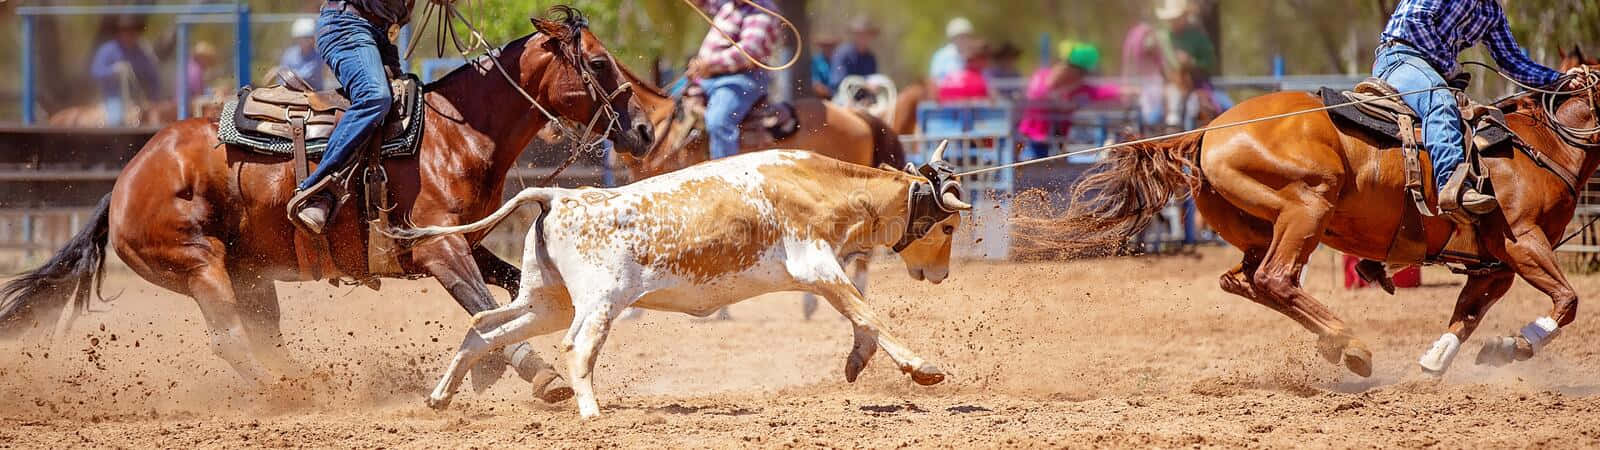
(1172, 9)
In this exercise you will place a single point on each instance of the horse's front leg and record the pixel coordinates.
(1531, 256)
(454, 262)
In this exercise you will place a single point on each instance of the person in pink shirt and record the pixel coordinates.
(967, 84)
(1055, 92)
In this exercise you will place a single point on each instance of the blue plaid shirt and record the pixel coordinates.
(1442, 29)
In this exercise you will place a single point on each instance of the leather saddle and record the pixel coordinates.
(766, 122)
(272, 110)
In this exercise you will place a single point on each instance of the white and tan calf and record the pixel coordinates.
(708, 236)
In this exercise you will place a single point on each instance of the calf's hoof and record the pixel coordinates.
(556, 391)
(438, 404)
(927, 374)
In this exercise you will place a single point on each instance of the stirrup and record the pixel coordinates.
(302, 197)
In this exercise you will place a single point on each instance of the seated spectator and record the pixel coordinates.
(855, 58)
(302, 58)
(821, 69)
(1057, 91)
(967, 84)
(124, 70)
(201, 59)
(1002, 72)
(951, 56)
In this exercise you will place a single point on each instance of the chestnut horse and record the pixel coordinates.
(1276, 189)
(208, 221)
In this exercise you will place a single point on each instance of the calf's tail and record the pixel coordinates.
(538, 196)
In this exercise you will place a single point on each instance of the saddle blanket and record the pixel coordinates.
(234, 128)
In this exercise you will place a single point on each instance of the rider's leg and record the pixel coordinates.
(350, 46)
(728, 99)
(1404, 69)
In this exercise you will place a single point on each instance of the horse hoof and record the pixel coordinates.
(1332, 349)
(927, 374)
(1497, 352)
(1358, 360)
(556, 392)
(438, 404)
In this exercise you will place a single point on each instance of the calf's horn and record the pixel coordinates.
(950, 200)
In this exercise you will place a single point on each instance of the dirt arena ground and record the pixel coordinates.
(1144, 352)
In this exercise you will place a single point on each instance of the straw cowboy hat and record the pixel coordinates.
(1172, 9)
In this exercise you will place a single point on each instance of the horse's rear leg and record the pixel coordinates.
(1532, 257)
(212, 289)
(1480, 293)
(1295, 235)
(258, 307)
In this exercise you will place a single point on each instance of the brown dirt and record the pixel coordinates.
(1102, 353)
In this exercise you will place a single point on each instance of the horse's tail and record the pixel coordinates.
(886, 148)
(68, 278)
(537, 196)
(1128, 188)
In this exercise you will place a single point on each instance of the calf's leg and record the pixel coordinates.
(587, 335)
(537, 311)
(869, 329)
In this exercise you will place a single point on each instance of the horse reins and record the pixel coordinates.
(586, 141)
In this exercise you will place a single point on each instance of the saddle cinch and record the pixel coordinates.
(292, 120)
(765, 124)
(1392, 120)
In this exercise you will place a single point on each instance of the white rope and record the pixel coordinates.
(1194, 131)
(798, 41)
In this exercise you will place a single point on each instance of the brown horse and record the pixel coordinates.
(830, 130)
(1276, 189)
(208, 221)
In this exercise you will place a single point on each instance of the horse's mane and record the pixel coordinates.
(467, 67)
(562, 23)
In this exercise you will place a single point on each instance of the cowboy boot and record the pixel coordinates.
(1477, 202)
(314, 213)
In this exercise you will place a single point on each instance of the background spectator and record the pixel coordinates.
(855, 57)
(967, 83)
(124, 70)
(301, 57)
(1002, 71)
(1057, 91)
(1142, 63)
(952, 56)
(822, 67)
(201, 60)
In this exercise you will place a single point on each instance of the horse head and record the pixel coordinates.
(1576, 114)
(582, 80)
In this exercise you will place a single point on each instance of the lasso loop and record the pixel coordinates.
(799, 42)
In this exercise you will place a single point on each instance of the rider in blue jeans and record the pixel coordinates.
(1421, 42)
(353, 38)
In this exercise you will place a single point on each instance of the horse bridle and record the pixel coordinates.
(572, 53)
(1550, 101)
